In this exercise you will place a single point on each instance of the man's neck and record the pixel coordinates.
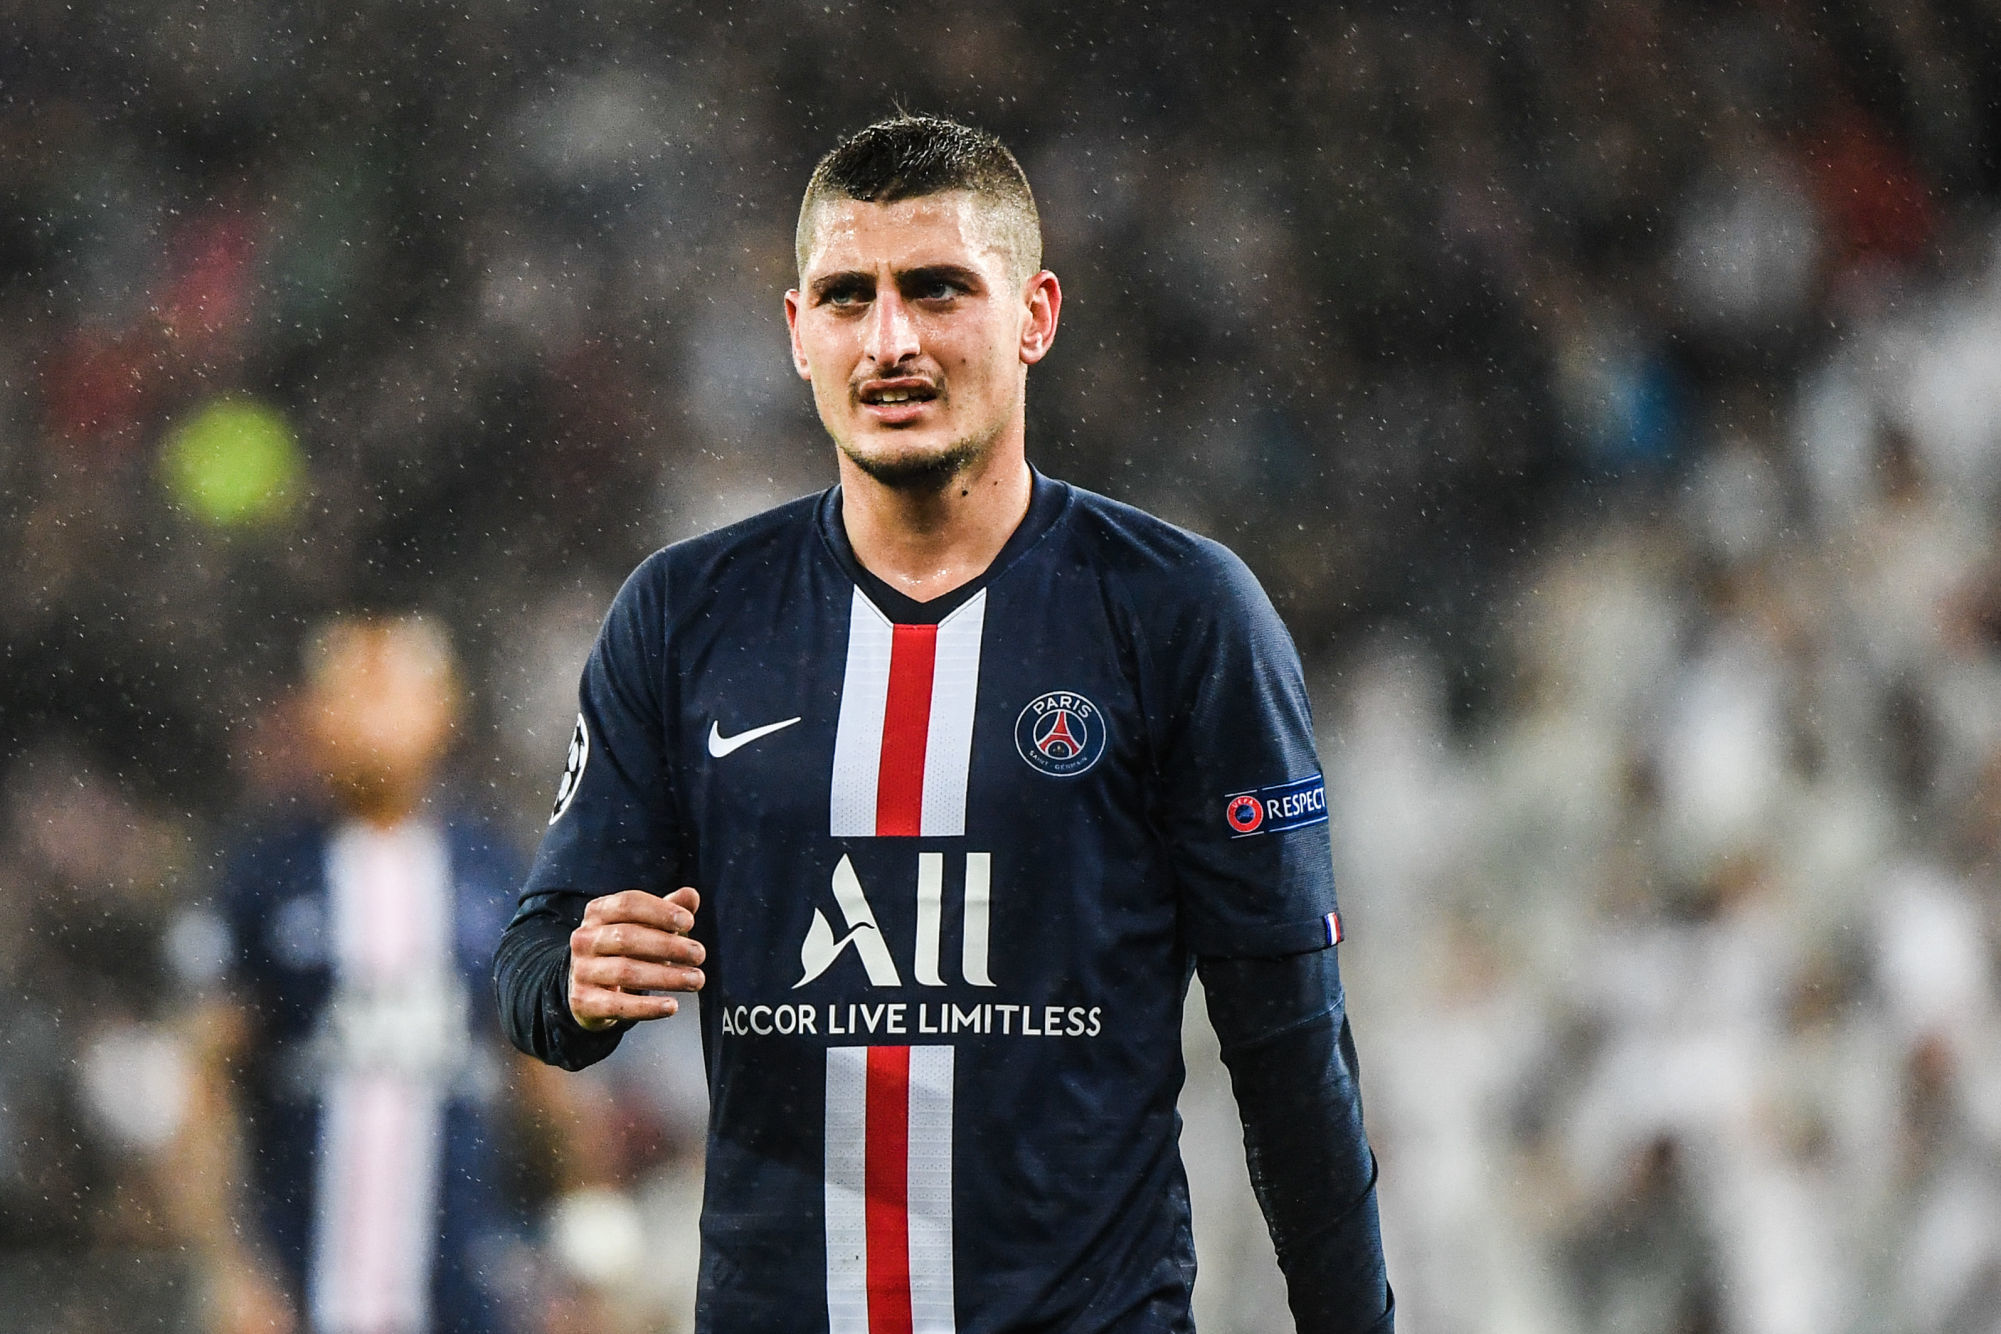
(381, 802)
(926, 542)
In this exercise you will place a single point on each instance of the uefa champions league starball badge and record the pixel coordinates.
(1061, 733)
(573, 770)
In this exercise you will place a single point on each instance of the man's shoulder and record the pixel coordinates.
(284, 830)
(1160, 561)
(697, 562)
(276, 852)
(473, 838)
(781, 524)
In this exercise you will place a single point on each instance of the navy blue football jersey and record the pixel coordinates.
(956, 859)
(372, 1095)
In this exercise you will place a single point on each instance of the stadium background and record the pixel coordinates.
(1609, 395)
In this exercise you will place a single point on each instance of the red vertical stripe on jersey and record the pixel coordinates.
(888, 1189)
(906, 727)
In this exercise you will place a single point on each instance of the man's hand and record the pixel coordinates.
(632, 943)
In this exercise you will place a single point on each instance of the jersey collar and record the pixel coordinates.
(1046, 503)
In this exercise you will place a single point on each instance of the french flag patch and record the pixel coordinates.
(1271, 810)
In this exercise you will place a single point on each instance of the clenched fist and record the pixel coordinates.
(632, 944)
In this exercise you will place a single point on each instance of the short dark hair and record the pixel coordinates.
(907, 157)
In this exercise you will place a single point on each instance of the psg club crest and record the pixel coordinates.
(573, 769)
(1060, 733)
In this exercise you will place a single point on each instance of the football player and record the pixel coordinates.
(937, 786)
(359, 934)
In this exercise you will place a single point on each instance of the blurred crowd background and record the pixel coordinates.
(1609, 395)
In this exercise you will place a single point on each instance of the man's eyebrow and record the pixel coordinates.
(958, 274)
(845, 279)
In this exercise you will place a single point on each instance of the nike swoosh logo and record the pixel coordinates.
(720, 745)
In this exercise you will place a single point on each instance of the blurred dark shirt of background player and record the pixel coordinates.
(360, 1135)
(1038, 753)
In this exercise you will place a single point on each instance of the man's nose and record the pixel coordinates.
(892, 329)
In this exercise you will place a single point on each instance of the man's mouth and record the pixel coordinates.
(897, 393)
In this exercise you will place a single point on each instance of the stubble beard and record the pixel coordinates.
(924, 473)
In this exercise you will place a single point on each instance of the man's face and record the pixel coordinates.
(915, 334)
(380, 717)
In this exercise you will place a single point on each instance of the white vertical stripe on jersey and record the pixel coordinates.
(955, 687)
(930, 1191)
(927, 1169)
(846, 1190)
(377, 1201)
(858, 736)
(381, 1127)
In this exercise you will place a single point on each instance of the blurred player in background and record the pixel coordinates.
(938, 785)
(360, 936)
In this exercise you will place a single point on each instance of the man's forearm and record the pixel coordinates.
(531, 984)
(1285, 1040)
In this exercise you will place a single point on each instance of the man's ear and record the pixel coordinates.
(792, 300)
(1043, 296)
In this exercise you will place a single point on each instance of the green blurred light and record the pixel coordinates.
(235, 463)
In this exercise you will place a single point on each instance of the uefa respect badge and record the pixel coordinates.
(1272, 810)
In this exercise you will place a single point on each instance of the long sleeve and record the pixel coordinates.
(612, 827)
(1286, 1042)
(531, 983)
